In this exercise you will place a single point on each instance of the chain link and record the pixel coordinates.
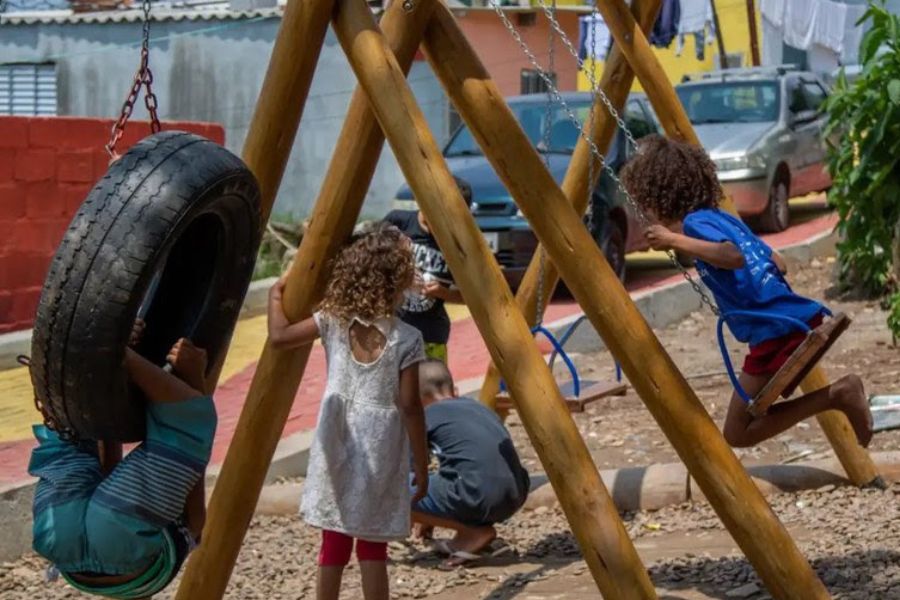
(595, 151)
(64, 433)
(143, 78)
(545, 141)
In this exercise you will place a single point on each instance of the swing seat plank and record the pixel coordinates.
(800, 363)
(591, 391)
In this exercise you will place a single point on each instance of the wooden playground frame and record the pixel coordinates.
(383, 105)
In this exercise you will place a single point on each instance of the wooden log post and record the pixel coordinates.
(279, 372)
(615, 84)
(588, 276)
(631, 39)
(608, 552)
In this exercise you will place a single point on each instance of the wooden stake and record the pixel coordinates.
(589, 277)
(615, 84)
(720, 36)
(754, 36)
(279, 372)
(607, 549)
(634, 45)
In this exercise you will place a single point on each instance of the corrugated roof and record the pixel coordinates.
(134, 16)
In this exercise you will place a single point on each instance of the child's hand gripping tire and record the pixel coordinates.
(169, 234)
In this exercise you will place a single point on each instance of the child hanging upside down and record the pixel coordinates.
(479, 481)
(125, 532)
(676, 185)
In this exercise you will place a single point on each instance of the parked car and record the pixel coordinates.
(763, 127)
(504, 227)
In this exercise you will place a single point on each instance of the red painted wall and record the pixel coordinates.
(47, 167)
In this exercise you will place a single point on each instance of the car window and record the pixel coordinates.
(535, 121)
(814, 95)
(731, 102)
(637, 121)
(797, 98)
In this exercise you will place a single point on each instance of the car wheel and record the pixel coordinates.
(777, 216)
(612, 243)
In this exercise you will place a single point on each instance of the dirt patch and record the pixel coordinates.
(851, 536)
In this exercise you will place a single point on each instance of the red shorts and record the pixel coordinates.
(767, 357)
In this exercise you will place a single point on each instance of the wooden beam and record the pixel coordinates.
(615, 83)
(279, 372)
(595, 521)
(629, 37)
(588, 276)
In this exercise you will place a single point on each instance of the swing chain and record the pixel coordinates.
(545, 141)
(595, 151)
(143, 78)
(65, 434)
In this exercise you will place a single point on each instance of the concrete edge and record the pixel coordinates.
(647, 488)
(19, 342)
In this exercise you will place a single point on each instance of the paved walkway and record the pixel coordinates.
(468, 359)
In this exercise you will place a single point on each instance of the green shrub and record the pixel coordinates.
(864, 150)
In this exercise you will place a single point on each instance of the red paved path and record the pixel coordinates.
(468, 359)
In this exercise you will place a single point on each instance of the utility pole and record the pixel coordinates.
(723, 60)
(754, 35)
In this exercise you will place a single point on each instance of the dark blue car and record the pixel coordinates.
(507, 232)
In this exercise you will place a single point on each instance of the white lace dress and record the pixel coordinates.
(357, 481)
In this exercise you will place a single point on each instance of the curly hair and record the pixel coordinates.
(369, 274)
(671, 179)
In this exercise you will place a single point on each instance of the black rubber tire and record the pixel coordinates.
(176, 210)
(777, 216)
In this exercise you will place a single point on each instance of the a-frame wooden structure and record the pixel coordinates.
(383, 105)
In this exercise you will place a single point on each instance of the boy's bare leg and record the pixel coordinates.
(374, 579)
(847, 394)
(328, 583)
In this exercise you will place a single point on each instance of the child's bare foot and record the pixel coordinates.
(469, 542)
(189, 363)
(851, 400)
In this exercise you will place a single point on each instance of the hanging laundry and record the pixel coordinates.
(593, 37)
(799, 21)
(696, 19)
(773, 12)
(666, 27)
(830, 24)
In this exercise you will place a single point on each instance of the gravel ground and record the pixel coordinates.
(852, 536)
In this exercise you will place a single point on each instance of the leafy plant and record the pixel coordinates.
(863, 135)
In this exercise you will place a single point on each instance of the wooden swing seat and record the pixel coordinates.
(800, 363)
(591, 391)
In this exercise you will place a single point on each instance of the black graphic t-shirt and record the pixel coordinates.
(428, 315)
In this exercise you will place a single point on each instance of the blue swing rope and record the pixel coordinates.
(720, 334)
(557, 349)
(565, 338)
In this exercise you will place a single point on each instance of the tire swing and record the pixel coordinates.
(169, 234)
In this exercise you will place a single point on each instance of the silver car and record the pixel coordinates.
(763, 127)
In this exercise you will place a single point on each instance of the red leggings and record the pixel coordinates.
(337, 548)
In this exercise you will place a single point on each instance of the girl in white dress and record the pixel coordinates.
(357, 483)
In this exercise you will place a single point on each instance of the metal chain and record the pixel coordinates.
(595, 151)
(143, 78)
(64, 433)
(594, 89)
(546, 141)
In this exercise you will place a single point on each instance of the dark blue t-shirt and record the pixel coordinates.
(480, 479)
(757, 286)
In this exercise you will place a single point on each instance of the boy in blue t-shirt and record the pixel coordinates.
(676, 185)
(124, 530)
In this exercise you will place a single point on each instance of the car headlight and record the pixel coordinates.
(744, 161)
